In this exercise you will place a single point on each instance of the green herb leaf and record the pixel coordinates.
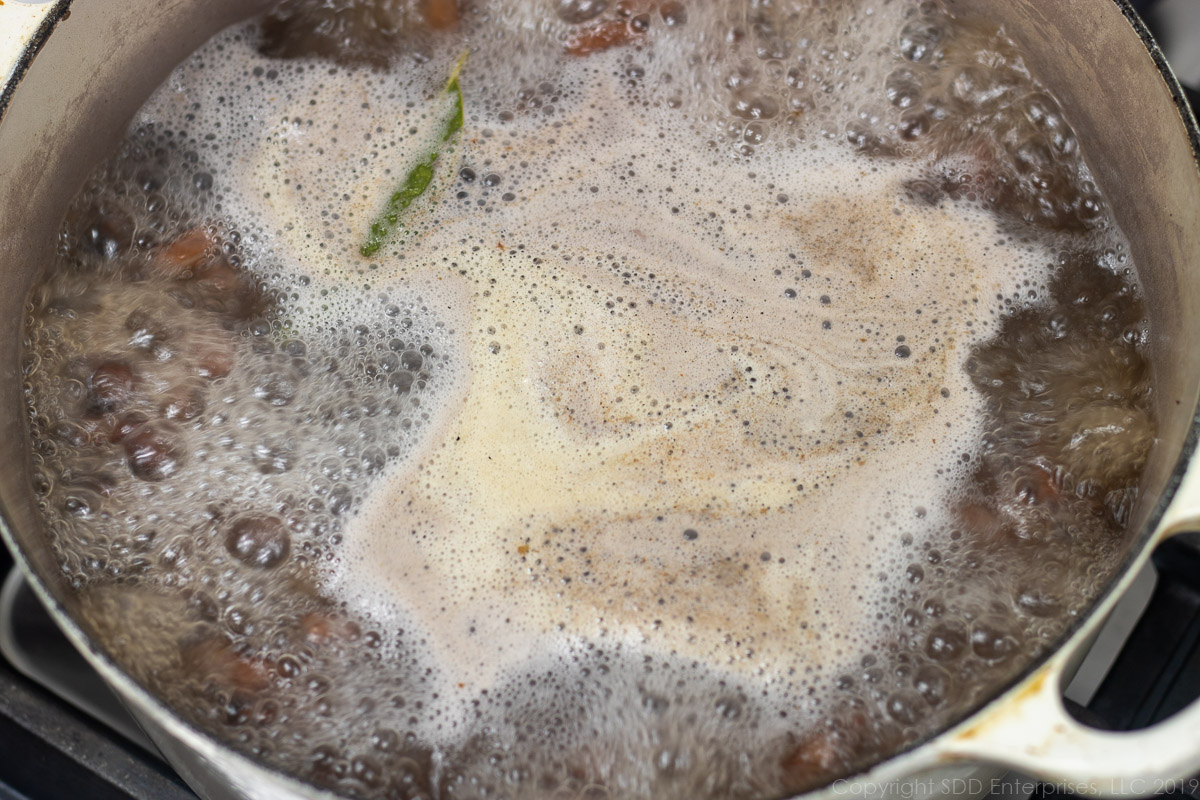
(421, 175)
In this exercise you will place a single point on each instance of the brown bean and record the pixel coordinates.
(1037, 487)
(353, 32)
(258, 540)
(602, 36)
(323, 628)
(225, 290)
(75, 434)
(110, 233)
(215, 361)
(218, 277)
(152, 454)
(184, 254)
(110, 386)
(981, 524)
(818, 755)
(126, 424)
(440, 14)
(215, 659)
(577, 11)
(195, 259)
(673, 12)
(810, 759)
(183, 403)
(987, 530)
(149, 332)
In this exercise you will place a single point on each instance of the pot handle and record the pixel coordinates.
(1183, 514)
(1033, 733)
(23, 23)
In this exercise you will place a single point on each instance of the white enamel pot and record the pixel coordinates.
(73, 72)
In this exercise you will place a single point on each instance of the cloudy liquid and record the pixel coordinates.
(726, 415)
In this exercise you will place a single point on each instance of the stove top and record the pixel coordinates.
(63, 734)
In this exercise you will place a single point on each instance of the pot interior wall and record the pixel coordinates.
(1138, 147)
(67, 114)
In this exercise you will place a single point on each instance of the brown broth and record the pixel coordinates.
(202, 445)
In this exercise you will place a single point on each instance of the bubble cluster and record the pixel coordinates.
(549, 498)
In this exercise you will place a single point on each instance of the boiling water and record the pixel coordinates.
(751, 390)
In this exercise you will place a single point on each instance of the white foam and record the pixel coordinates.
(736, 370)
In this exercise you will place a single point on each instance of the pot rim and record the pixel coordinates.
(25, 55)
(912, 759)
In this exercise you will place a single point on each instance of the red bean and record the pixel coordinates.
(184, 254)
(601, 36)
(215, 659)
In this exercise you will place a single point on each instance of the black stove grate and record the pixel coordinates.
(1158, 671)
(49, 750)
